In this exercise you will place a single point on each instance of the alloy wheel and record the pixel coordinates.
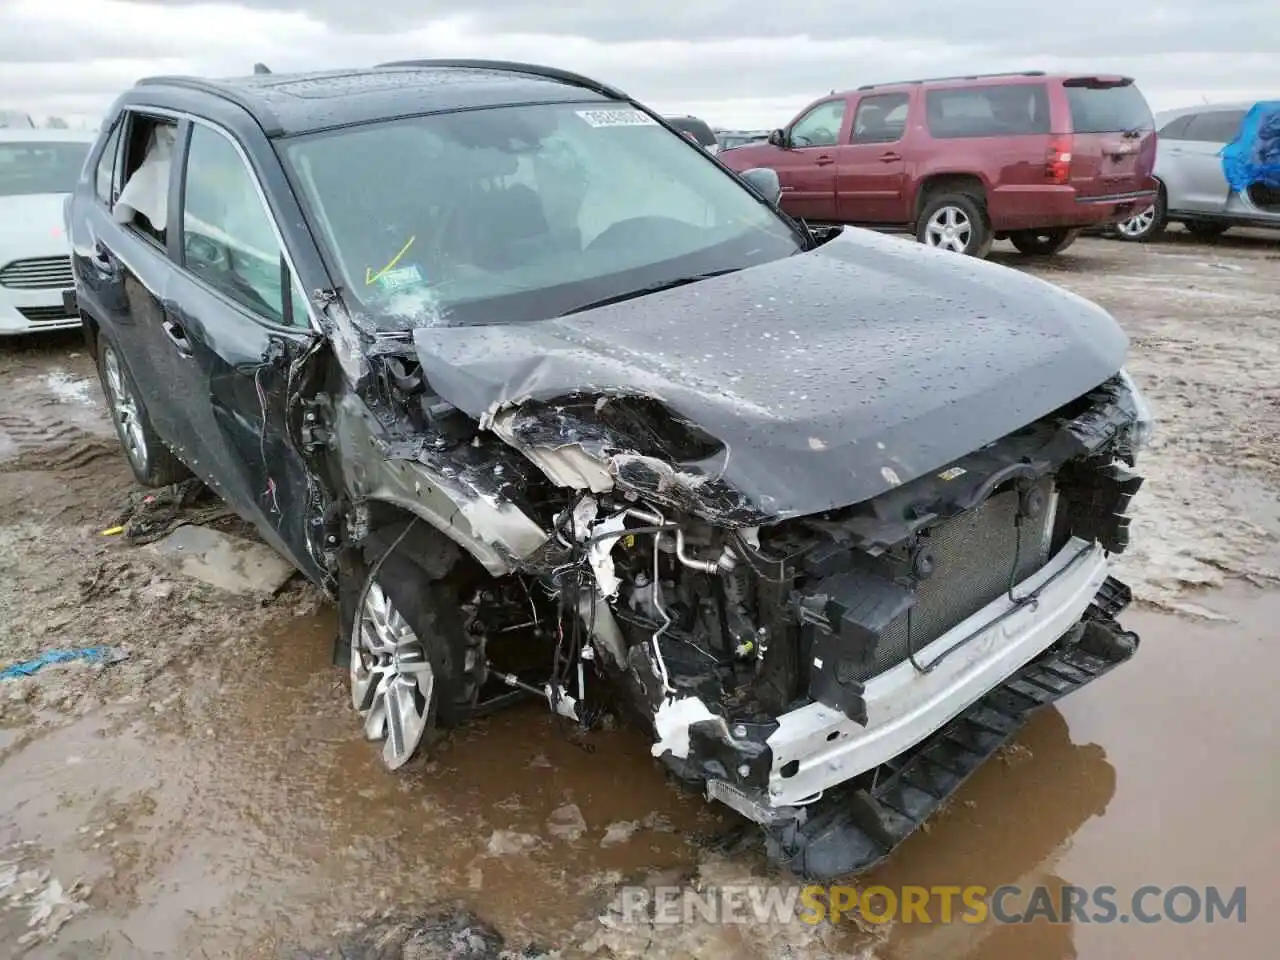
(1139, 225)
(125, 410)
(391, 678)
(949, 229)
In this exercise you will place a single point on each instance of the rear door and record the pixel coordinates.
(239, 325)
(807, 166)
(1192, 158)
(1113, 148)
(123, 257)
(871, 169)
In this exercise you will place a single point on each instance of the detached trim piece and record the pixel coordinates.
(850, 831)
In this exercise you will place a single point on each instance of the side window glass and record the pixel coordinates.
(105, 175)
(820, 127)
(880, 119)
(227, 236)
(1218, 126)
(147, 162)
(994, 111)
(1175, 129)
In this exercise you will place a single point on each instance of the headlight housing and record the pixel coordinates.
(1144, 424)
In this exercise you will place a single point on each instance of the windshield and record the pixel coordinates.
(523, 213)
(35, 167)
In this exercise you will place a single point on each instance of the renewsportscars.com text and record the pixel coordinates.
(972, 904)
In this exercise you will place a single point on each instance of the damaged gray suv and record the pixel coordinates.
(554, 404)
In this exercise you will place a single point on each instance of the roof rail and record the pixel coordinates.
(529, 69)
(967, 76)
(259, 111)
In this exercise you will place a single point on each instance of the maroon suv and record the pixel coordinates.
(967, 160)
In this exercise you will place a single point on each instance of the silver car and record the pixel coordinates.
(1193, 189)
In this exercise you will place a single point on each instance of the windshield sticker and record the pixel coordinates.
(399, 278)
(617, 118)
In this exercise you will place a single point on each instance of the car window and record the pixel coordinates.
(147, 164)
(105, 177)
(522, 213)
(32, 166)
(881, 118)
(1106, 107)
(227, 235)
(1175, 129)
(1002, 110)
(1214, 126)
(820, 127)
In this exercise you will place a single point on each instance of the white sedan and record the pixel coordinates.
(38, 169)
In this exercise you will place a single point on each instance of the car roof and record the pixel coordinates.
(41, 135)
(1164, 116)
(289, 104)
(986, 79)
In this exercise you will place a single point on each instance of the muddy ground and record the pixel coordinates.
(210, 794)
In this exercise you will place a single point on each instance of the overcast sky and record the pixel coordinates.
(748, 63)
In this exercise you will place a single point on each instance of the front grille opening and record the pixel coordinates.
(37, 273)
(47, 314)
(977, 555)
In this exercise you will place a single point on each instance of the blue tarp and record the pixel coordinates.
(1254, 156)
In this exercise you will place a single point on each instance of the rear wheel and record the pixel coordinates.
(1043, 243)
(152, 463)
(1145, 224)
(1206, 231)
(955, 222)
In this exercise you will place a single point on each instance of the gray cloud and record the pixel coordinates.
(740, 61)
(1080, 28)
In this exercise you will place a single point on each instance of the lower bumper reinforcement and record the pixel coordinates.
(851, 829)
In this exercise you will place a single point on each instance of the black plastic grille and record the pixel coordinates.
(974, 557)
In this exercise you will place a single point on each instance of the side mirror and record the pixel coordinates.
(765, 182)
(778, 138)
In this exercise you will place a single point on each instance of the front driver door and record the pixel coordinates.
(807, 167)
(241, 325)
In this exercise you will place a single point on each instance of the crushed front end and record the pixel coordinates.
(834, 677)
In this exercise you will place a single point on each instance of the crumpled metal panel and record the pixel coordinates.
(830, 376)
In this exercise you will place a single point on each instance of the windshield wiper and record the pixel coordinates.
(651, 288)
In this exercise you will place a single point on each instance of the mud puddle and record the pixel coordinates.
(240, 808)
(238, 811)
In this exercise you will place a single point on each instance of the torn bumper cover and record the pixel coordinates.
(855, 827)
(836, 796)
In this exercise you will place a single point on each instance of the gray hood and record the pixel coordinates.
(830, 376)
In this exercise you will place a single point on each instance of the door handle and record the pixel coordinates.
(890, 157)
(175, 333)
(824, 160)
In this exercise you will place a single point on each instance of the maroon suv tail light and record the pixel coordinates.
(1057, 161)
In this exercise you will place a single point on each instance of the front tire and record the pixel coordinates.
(1043, 243)
(153, 464)
(407, 654)
(956, 222)
(1146, 225)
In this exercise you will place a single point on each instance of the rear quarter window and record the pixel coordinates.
(1110, 108)
(994, 111)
